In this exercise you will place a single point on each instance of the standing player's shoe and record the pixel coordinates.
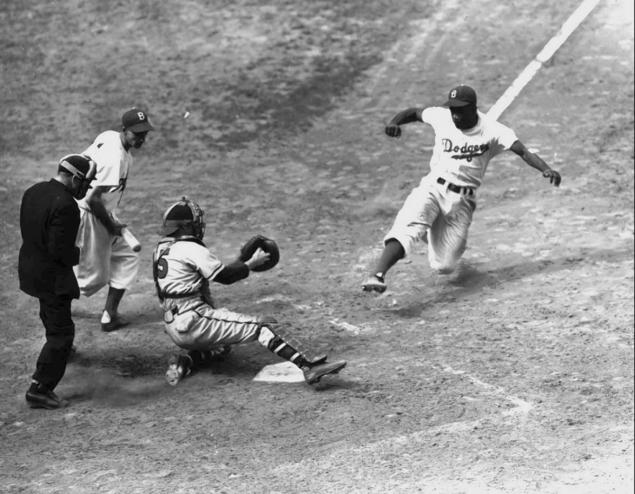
(314, 373)
(112, 323)
(179, 366)
(374, 284)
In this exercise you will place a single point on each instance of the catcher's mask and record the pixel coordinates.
(181, 214)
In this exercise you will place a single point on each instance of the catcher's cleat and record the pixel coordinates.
(320, 359)
(219, 353)
(314, 373)
(179, 366)
(374, 284)
(200, 358)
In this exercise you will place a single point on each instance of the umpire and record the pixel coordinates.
(49, 220)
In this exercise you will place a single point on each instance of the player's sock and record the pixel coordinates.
(112, 301)
(393, 251)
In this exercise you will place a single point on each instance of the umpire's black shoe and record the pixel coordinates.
(40, 397)
(314, 373)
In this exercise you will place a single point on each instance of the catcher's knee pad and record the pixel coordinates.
(266, 337)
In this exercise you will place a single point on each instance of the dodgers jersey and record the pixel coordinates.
(460, 156)
(113, 163)
(183, 267)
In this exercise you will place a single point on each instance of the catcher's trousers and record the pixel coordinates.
(55, 313)
(199, 326)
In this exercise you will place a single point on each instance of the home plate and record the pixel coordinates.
(284, 372)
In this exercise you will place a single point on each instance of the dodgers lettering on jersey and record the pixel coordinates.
(183, 267)
(113, 163)
(461, 157)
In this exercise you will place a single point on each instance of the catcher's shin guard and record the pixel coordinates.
(287, 348)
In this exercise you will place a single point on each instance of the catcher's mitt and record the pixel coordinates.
(264, 243)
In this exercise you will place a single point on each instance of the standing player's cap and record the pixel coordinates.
(461, 96)
(136, 120)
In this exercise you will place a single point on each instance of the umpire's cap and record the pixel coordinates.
(78, 165)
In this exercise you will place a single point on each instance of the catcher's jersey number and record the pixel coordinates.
(161, 268)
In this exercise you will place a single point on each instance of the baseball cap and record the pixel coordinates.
(136, 120)
(461, 95)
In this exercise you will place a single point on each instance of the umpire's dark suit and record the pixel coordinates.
(49, 220)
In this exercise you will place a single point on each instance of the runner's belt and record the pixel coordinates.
(456, 188)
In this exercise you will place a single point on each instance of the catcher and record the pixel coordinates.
(183, 268)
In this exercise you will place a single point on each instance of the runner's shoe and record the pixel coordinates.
(374, 284)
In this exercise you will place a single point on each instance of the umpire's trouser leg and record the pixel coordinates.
(55, 313)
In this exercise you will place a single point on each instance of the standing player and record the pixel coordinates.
(106, 258)
(183, 267)
(442, 205)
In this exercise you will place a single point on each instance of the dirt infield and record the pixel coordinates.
(512, 375)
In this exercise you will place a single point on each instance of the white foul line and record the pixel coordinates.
(545, 54)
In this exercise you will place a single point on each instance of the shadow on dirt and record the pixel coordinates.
(469, 279)
(241, 363)
(283, 112)
(133, 319)
(127, 365)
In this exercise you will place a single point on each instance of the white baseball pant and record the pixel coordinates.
(104, 259)
(441, 213)
(198, 326)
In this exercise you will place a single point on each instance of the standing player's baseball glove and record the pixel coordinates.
(266, 244)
